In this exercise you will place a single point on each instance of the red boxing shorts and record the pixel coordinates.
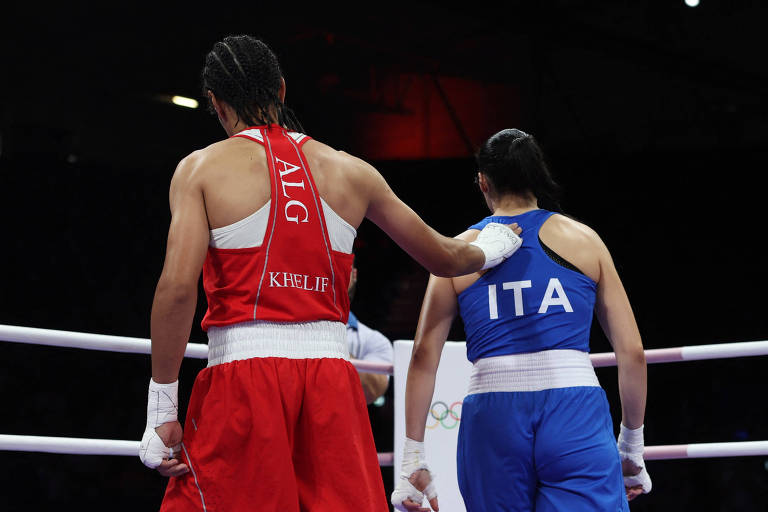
(276, 433)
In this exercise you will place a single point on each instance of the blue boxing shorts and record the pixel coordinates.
(547, 450)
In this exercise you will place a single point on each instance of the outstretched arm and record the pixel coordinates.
(442, 256)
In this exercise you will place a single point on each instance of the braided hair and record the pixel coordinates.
(244, 72)
(514, 163)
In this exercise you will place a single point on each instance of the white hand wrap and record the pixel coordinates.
(413, 460)
(631, 446)
(162, 407)
(497, 242)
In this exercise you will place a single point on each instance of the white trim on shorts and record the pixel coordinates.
(535, 371)
(192, 469)
(260, 338)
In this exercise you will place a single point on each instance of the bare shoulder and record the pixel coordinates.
(338, 158)
(576, 242)
(189, 169)
(343, 167)
(345, 182)
(215, 158)
(575, 232)
(199, 159)
(192, 170)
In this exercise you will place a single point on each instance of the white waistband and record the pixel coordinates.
(303, 340)
(535, 371)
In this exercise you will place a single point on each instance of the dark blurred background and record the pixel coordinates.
(653, 116)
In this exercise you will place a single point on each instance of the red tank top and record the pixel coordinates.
(295, 275)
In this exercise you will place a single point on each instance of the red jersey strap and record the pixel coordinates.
(298, 272)
(255, 133)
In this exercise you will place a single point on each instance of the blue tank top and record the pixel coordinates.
(528, 303)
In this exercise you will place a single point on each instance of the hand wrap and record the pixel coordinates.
(631, 447)
(413, 460)
(497, 242)
(162, 407)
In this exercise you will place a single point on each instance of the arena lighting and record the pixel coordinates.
(692, 3)
(183, 101)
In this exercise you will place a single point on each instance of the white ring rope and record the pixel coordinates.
(89, 341)
(706, 450)
(105, 342)
(68, 445)
(80, 446)
(200, 350)
(691, 353)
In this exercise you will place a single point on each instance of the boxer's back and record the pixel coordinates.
(235, 180)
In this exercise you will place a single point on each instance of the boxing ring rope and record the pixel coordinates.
(79, 446)
(690, 353)
(109, 343)
(88, 341)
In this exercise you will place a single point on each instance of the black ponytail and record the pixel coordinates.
(244, 72)
(514, 163)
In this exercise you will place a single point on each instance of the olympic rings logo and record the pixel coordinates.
(442, 414)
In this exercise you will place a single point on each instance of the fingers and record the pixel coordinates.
(172, 467)
(640, 480)
(406, 496)
(514, 227)
(412, 506)
(633, 492)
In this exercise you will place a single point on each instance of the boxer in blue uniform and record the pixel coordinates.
(536, 432)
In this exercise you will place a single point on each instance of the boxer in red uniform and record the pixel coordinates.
(277, 421)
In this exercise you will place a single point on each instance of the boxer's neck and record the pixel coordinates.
(512, 204)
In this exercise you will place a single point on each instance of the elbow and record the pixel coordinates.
(423, 360)
(444, 271)
(444, 263)
(175, 292)
(634, 355)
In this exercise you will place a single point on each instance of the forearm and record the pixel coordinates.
(420, 387)
(374, 385)
(618, 322)
(632, 387)
(173, 310)
(495, 241)
(442, 256)
(459, 258)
